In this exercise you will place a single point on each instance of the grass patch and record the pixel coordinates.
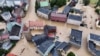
(93, 1)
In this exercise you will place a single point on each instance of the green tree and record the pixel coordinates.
(98, 4)
(37, 6)
(97, 11)
(58, 3)
(70, 54)
(52, 2)
(86, 2)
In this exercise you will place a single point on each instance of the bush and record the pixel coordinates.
(70, 54)
(58, 3)
(97, 11)
(86, 2)
(37, 6)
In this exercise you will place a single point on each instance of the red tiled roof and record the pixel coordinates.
(58, 17)
(10, 54)
(5, 36)
(36, 23)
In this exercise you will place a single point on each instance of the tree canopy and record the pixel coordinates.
(58, 3)
(70, 54)
(86, 2)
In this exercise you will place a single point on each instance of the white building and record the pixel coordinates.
(43, 12)
(74, 19)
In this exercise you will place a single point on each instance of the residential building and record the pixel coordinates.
(2, 3)
(93, 42)
(59, 17)
(74, 19)
(45, 48)
(37, 25)
(10, 3)
(50, 31)
(16, 35)
(43, 12)
(66, 10)
(6, 16)
(18, 2)
(10, 25)
(39, 39)
(76, 38)
(7, 45)
(18, 12)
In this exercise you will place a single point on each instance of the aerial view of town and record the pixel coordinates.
(49, 27)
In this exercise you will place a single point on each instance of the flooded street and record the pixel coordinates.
(63, 28)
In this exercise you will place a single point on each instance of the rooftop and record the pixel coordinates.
(75, 17)
(76, 37)
(44, 10)
(94, 37)
(44, 3)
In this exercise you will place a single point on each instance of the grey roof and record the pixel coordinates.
(76, 37)
(75, 17)
(15, 30)
(2, 2)
(77, 10)
(56, 53)
(63, 46)
(45, 45)
(66, 9)
(38, 39)
(92, 47)
(44, 10)
(94, 37)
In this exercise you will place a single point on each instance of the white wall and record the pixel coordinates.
(74, 22)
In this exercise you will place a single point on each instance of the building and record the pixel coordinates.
(7, 45)
(59, 17)
(43, 12)
(2, 3)
(4, 37)
(37, 25)
(93, 42)
(6, 16)
(16, 35)
(74, 19)
(27, 33)
(18, 12)
(45, 48)
(76, 38)
(39, 39)
(10, 25)
(10, 3)
(66, 10)
(50, 31)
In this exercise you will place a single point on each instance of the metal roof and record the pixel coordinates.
(44, 10)
(76, 36)
(75, 17)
